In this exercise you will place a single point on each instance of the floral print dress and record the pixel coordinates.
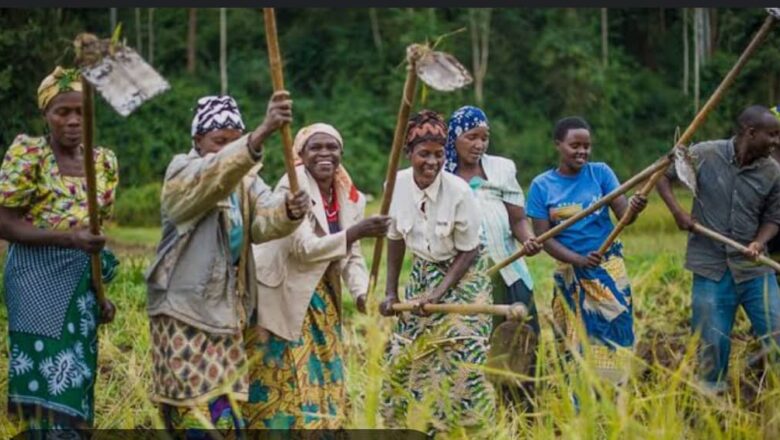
(52, 309)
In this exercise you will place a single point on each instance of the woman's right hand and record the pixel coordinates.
(87, 241)
(374, 226)
(590, 261)
(278, 112)
(386, 307)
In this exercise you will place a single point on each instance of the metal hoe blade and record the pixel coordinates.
(439, 70)
(683, 165)
(120, 75)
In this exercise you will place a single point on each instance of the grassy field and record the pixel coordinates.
(661, 400)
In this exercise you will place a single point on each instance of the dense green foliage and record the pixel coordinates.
(543, 64)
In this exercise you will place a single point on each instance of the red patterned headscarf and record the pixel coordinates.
(425, 126)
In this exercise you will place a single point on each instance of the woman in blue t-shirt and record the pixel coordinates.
(595, 287)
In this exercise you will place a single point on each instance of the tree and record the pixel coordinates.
(375, 29)
(223, 50)
(150, 30)
(686, 55)
(479, 20)
(604, 38)
(138, 40)
(191, 36)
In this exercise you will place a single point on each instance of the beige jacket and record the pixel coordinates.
(288, 269)
(191, 279)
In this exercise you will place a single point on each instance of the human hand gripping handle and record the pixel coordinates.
(386, 307)
(532, 247)
(754, 250)
(297, 204)
(84, 239)
(278, 112)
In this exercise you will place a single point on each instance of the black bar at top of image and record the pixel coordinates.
(386, 3)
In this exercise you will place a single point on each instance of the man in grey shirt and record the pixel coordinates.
(738, 196)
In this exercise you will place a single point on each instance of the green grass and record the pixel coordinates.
(661, 400)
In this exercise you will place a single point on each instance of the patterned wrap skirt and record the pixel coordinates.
(53, 340)
(197, 377)
(300, 384)
(597, 300)
(435, 360)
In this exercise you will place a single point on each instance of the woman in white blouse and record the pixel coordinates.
(436, 217)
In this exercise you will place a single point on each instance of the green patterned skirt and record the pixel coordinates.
(53, 347)
(435, 361)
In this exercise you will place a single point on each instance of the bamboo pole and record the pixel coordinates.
(629, 214)
(88, 111)
(660, 164)
(399, 135)
(275, 62)
(709, 233)
(517, 311)
(727, 81)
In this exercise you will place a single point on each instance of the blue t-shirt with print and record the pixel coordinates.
(557, 197)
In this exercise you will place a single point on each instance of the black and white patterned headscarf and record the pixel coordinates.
(216, 113)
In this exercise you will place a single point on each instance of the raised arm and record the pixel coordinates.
(195, 185)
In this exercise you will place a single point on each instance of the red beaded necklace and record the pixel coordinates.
(331, 207)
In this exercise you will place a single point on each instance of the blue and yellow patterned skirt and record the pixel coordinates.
(300, 384)
(600, 299)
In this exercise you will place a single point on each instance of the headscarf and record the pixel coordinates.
(59, 81)
(216, 113)
(461, 121)
(341, 178)
(426, 125)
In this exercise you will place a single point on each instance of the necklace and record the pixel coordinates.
(331, 205)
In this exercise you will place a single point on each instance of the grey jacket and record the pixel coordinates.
(192, 279)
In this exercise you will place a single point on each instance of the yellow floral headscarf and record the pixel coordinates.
(59, 81)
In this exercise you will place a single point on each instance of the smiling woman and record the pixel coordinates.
(435, 215)
(591, 288)
(299, 381)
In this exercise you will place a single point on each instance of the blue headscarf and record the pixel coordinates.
(461, 121)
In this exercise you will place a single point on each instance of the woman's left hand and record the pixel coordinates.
(432, 298)
(107, 311)
(297, 204)
(532, 247)
(638, 203)
(361, 303)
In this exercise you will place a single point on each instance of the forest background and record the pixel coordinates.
(634, 74)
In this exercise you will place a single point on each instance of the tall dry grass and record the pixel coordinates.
(661, 400)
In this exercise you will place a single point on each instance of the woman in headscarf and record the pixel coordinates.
(201, 289)
(436, 358)
(298, 380)
(52, 308)
(502, 206)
